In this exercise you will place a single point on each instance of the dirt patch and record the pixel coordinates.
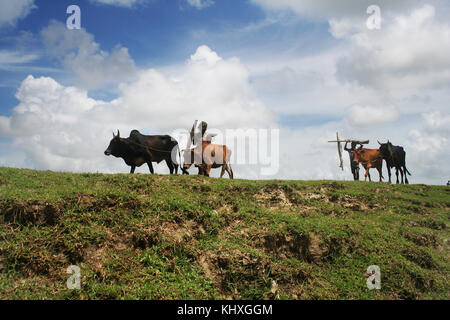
(34, 263)
(317, 249)
(227, 208)
(289, 277)
(277, 197)
(173, 232)
(112, 201)
(420, 257)
(237, 189)
(422, 239)
(180, 233)
(201, 188)
(421, 282)
(351, 202)
(2, 261)
(38, 213)
(74, 253)
(307, 247)
(333, 186)
(233, 269)
(285, 245)
(428, 223)
(144, 238)
(316, 197)
(93, 257)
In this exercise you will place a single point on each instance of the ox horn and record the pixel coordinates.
(379, 143)
(118, 133)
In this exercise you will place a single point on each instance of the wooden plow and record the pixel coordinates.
(339, 146)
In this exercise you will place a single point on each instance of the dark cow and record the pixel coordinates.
(369, 158)
(395, 157)
(354, 165)
(138, 149)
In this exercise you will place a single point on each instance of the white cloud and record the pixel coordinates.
(205, 54)
(328, 9)
(61, 128)
(409, 51)
(12, 11)
(362, 116)
(341, 28)
(14, 58)
(436, 121)
(120, 3)
(79, 53)
(200, 4)
(427, 155)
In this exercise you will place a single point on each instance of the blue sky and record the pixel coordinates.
(308, 68)
(159, 33)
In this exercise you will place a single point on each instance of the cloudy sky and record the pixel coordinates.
(308, 68)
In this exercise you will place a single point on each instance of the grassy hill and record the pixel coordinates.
(190, 237)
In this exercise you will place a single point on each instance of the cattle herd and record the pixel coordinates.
(139, 149)
(394, 156)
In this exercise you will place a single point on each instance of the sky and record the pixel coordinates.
(299, 70)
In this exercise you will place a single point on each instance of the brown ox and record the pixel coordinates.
(369, 158)
(214, 156)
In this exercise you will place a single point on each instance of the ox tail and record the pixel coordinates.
(228, 158)
(181, 162)
(406, 170)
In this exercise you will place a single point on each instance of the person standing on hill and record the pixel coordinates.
(353, 164)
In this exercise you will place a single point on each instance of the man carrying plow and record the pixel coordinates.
(205, 155)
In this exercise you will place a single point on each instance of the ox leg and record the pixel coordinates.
(368, 173)
(401, 174)
(406, 177)
(223, 171)
(201, 170)
(354, 173)
(208, 170)
(389, 172)
(150, 167)
(185, 168)
(132, 169)
(380, 171)
(396, 173)
(229, 170)
(170, 165)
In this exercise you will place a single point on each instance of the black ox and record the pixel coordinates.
(138, 149)
(395, 157)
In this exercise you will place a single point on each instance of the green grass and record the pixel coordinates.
(191, 237)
